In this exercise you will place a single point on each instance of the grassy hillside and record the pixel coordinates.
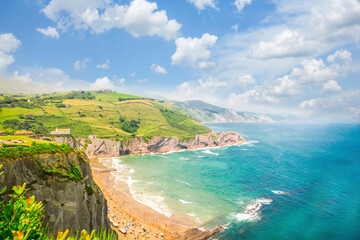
(105, 114)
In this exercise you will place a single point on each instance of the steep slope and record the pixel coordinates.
(205, 112)
(63, 181)
(105, 114)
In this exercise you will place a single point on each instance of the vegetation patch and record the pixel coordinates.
(36, 149)
(73, 173)
(89, 189)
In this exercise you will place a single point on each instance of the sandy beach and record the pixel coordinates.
(139, 221)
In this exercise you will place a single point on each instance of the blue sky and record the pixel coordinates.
(285, 57)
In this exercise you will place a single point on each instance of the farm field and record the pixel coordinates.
(104, 114)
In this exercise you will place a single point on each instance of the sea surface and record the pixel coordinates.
(290, 181)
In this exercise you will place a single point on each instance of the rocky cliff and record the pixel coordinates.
(64, 183)
(205, 112)
(107, 147)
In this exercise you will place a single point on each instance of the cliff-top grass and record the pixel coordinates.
(11, 153)
(101, 113)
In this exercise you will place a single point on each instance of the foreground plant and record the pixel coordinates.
(22, 219)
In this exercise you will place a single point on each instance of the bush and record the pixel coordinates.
(21, 217)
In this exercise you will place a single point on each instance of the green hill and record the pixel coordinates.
(101, 113)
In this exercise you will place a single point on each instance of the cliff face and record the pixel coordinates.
(70, 201)
(107, 147)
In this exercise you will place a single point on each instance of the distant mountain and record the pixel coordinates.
(205, 112)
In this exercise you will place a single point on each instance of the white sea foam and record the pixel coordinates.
(197, 220)
(207, 151)
(250, 143)
(251, 212)
(201, 156)
(183, 158)
(184, 202)
(278, 192)
(155, 202)
(184, 182)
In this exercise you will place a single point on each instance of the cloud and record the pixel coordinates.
(189, 51)
(240, 4)
(246, 80)
(118, 80)
(139, 18)
(342, 107)
(104, 65)
(331, 86)
(8, 43)
(121, 81)
(207, 65)
(212, 84)
(235, 27)
(49, 31)
(340, 55)
(202, 4)
(288, 43)
(205, 89)
(78, 65)
(16, 83)
(102, 84)
(144, 80)
(5, 61)
(308, 75)
(158, 69)
(38, 80)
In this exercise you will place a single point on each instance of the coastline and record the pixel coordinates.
(124, 210)
(122, 206)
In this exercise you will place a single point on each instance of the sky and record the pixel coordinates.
(285, 57)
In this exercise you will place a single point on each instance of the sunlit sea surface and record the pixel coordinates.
(290, 181)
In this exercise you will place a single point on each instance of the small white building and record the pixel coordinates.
(61, 131)
(92, 136)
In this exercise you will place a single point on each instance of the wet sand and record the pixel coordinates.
(139, 220)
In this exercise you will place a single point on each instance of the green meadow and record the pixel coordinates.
(105, 114)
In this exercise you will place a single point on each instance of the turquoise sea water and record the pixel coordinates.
(290, 182)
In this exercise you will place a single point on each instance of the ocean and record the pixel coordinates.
(290, 181)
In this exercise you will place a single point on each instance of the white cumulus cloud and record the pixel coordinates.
(158, 69)
(189, 51)
(245, 80)
(331, 86)
(139, 18)
(101, 84)
(288, 43)
(81, 64)
(49, 31)
(202, 4)
(342, 106)
(240, 4)
(310, 74)
(104, 65)
(8, 43)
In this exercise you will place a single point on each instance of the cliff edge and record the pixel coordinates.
(64, 183)
(141, 145)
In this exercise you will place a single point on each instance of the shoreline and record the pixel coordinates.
(127, 213)
(123, 206)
